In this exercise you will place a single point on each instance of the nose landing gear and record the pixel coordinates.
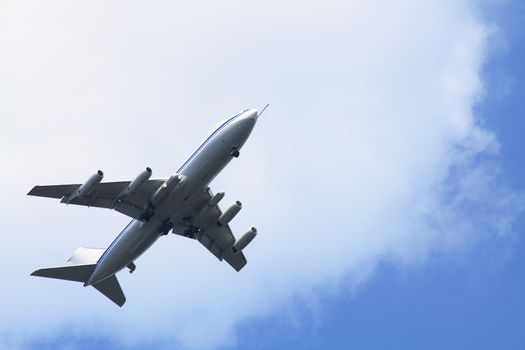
(131, 266)
(234, 151)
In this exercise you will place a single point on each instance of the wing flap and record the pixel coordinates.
(237, 261)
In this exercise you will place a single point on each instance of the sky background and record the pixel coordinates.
(386, 178)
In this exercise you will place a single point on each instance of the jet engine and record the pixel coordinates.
(140, 180)
(245, 239)
(229, 214)
(88, 186)
(206, 216)
(215, 199)
(165, 189)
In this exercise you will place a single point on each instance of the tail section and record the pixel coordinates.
(87, 257)
(111, 289)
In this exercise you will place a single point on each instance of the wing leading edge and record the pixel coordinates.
(108, 195)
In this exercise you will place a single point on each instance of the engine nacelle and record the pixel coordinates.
(88, 186)
(204, 218)
(216, 199)
(245, 239)
(229, 214)
(165, 189)
(140, 180)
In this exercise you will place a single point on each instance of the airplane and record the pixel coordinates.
(182, 204)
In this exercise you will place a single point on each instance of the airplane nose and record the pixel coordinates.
(252, 114)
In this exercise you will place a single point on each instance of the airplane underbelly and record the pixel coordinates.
(204, 169)
(142, 246)
(125, 250)
(199, 173)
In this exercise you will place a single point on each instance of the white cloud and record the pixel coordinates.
(370, 151)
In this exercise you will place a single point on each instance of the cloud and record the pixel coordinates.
(371, 151)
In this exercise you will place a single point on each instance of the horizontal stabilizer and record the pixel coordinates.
(77, 273)
(111, 289)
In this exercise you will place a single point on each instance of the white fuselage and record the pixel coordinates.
(196, 173)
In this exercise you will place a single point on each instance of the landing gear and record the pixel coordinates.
(165, 227)
(190, 230)
(148, 212)
(234, 152)
(131, 266)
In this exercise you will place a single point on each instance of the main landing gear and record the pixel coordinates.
(234, 151)
(165, 227)
(148, 212)
(191, 231)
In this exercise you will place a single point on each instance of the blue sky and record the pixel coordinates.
(476, 302)
(390, 219)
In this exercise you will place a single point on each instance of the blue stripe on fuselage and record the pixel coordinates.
(113, 243)
(206, 141)
(178, 171)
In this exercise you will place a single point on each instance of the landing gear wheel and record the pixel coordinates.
(147, 215)
(165, 227)
(195, 231)
(234, 152)
(131, 266)
(148, 212)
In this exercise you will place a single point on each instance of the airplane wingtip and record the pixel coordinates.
(30, 193)
(35, 273)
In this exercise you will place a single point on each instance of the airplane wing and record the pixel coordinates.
(201, 224)
(219, 241)
(106, 195)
